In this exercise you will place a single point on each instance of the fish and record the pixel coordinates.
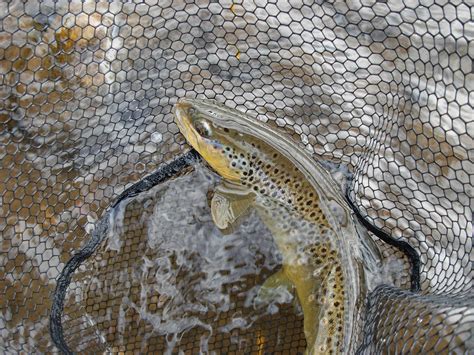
(324, 262)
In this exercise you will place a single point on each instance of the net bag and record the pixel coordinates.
(384, 87)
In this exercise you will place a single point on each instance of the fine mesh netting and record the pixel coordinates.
(86, 93)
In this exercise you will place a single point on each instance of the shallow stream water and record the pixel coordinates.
(85, 111)
(178, 283)
(165, 278)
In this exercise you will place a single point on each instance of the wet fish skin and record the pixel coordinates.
(289, 205)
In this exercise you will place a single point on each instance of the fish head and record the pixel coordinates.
(202, 122)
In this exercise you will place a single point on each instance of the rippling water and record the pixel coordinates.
(86, 94)
(177, 278)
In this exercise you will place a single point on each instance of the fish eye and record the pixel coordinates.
(203, 128)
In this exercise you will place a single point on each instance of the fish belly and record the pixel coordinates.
(312, 265)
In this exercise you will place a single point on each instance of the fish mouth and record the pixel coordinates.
(181, 114)
(180, 110)
(184, 122)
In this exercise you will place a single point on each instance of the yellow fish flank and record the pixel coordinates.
(256, 175)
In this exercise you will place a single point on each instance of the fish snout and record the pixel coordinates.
(183, 103)
(182, 112)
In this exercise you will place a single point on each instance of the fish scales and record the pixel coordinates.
(289, 205)
(256, 175)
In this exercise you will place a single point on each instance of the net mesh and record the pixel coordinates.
(385, 87)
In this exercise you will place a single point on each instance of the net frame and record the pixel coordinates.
(87, 90)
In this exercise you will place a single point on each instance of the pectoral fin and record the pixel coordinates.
(228, 204)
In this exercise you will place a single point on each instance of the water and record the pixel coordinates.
(187, 280)
(75, 160)
(165, 271)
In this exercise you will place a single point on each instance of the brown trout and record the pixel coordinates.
(309, 220)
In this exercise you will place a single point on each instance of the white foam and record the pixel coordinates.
(192, 262)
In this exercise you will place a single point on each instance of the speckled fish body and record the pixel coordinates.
(300, 204)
